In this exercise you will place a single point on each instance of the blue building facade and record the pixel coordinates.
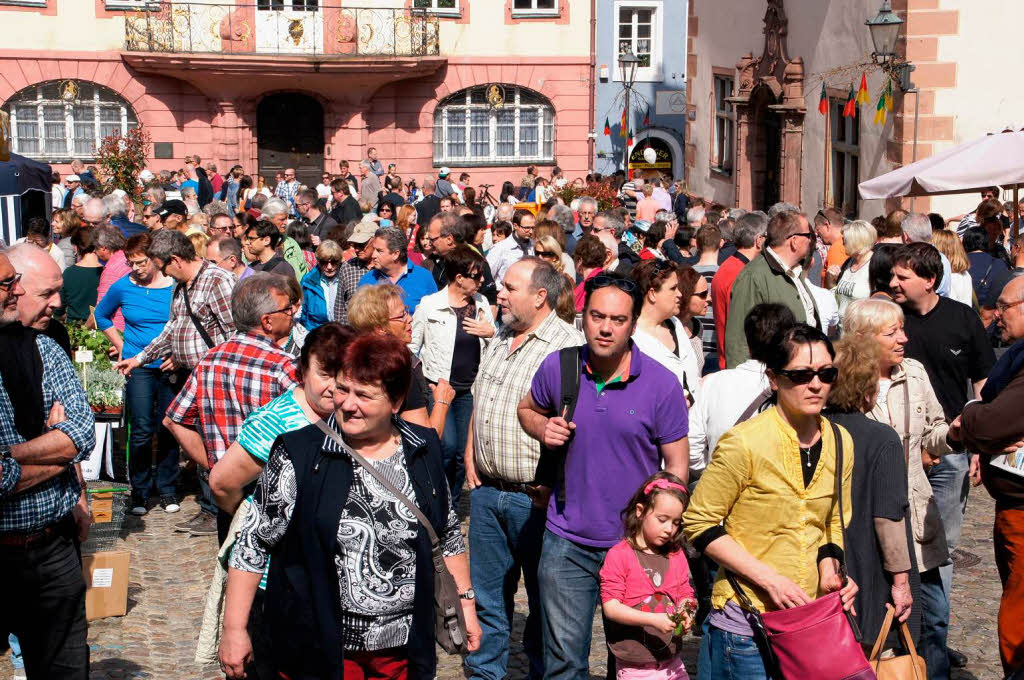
(656, 31)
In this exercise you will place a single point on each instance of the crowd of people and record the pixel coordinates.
(686, 414)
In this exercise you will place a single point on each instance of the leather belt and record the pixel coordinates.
(34, 537)
(529, 488)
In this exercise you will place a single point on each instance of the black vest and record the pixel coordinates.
(303, 606)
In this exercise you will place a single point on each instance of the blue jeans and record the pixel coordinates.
(934, 624)
(570, 589)
(505, 535)
(148, 393)
(728, 656)
(950, 486)
(453, 444)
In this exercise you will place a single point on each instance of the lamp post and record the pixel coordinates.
(628, 64)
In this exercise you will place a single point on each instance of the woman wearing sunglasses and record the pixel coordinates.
(693, 309)
(766, 508)
(907, 402)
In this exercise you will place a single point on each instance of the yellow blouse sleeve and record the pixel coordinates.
(720, 485)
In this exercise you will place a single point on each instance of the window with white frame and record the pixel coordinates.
(725, 122)
(470, 130)
(845, 142)
(638, 28)
(49, 126)
(439, 6)
(534, 7)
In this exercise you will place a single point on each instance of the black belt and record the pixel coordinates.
(529, 488)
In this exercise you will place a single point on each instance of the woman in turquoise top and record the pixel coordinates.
(144, 298)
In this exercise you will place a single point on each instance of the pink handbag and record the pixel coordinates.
(815, 641)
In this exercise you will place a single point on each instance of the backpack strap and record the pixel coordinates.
(551, 467)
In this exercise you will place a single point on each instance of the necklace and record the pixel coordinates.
(805, 454)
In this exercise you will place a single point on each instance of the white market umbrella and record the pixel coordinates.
(997, 159)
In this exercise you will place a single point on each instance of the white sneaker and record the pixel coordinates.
(169, 504)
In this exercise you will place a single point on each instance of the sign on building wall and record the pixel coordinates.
(663, 157)
(670, 103)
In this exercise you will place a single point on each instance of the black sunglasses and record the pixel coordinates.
(810, 235)
(603, 281)
(702, 295)
(802, 376)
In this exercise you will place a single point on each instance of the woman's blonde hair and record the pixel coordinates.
(868, 317)
(552, 229)
(858, 236)
(551, 244)
(949, 245)
(857, 361)
(199, 241)
(368, 310)
(329, 250)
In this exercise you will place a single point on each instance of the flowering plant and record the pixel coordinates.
(121, 158)
(601, 192)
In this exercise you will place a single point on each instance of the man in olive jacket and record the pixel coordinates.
(773, 276)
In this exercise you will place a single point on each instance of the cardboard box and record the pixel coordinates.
(106, 583)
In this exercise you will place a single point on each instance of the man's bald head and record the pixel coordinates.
(611, 246)
(42, 281)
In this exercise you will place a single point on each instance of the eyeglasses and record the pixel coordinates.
(289, 310)
(806, 234)
(546, 254)
(328, 263)
(138, 263)
(11, 281)
(1003, 307)
(400, 317)
(703, 295)
(802, 376)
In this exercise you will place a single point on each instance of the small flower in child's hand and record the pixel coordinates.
(683, 616)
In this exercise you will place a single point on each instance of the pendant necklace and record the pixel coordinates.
(805, 454)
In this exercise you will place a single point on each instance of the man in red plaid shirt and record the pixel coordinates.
(235, 378)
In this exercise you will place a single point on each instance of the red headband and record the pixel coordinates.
(664, 484)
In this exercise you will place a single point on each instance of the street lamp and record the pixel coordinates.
(885, 31)
(628, 64)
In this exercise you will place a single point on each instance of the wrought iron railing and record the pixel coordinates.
(280, 27)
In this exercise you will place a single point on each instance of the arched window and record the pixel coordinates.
(494, 125)
(60, 120)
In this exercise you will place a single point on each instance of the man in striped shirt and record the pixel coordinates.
(507, 509)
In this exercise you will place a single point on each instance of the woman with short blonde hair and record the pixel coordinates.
(854, 280)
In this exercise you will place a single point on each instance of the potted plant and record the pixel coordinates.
(104, 388)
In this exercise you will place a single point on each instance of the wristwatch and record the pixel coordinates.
(5, 451)
(470, 594)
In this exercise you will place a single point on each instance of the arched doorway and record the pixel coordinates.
(668, 150)
(764, 149)
(290, 134)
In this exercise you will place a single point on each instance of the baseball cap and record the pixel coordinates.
(363, 232)
(444, 172)
(172, 207)
(145, 175)
(641, 225)
(72, 178)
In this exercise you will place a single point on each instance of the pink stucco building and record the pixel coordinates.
(483, 86)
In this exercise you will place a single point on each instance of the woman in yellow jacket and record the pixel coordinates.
(765, 507)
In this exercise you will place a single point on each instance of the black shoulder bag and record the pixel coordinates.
(195, 319)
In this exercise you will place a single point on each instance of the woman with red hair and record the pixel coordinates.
(351, 587)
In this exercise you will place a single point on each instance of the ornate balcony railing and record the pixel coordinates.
(280, 27)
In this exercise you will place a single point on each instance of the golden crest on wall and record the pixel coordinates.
(295, 30)
(495, 96)
(68, 90)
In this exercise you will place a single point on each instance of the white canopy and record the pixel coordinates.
(997, 159)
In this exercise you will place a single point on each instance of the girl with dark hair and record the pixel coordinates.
(82, 279)
(766, 508)
(646, 595)
(509, 193)
(880, 269)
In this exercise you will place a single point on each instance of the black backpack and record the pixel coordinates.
(551, 468)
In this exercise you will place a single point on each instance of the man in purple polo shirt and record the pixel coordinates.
(630, 417)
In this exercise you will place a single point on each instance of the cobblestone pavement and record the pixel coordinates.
(170, 573)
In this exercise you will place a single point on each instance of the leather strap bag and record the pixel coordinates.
(195, 319)
(449, 622)
(816, 640)
(907, 667)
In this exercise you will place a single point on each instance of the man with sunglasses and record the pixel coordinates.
(630, 419)
(237, 377)
(772, 276)
(307, 203)
(48, 428)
